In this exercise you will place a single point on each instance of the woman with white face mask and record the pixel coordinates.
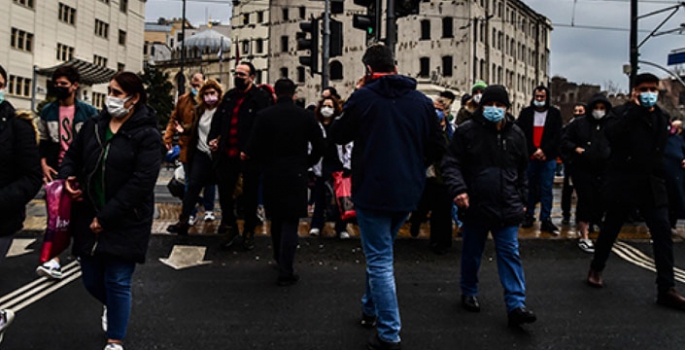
(111, 170)
(586, 142)
(336, 158)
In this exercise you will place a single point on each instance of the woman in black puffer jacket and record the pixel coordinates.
(111, 171)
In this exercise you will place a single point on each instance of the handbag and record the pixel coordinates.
(176, 185)
(57, 234)
(343, 195)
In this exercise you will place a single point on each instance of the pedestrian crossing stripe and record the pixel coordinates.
(638, 258)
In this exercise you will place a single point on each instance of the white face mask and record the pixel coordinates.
(327, 112)
(477, 97)
(115, 106)
(598, 114)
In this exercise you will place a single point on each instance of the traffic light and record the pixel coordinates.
(371, 22)
(311, 44)
(404, 8)
(336, 48)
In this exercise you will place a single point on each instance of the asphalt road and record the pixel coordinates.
(233, 302)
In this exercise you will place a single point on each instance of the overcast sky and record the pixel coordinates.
(579, 54)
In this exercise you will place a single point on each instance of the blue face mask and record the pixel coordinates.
(537, 103)
(493, 114)
(648, 99)
(2, 96)
(193, 91)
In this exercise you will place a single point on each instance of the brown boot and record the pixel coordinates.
(671, 298)
(594, 279)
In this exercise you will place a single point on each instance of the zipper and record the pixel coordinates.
(90, 180)
(503, 146)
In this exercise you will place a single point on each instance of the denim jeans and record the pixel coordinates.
(378, 232)
(540, 182)
(109, 281)
(508, 261)
(208, 193)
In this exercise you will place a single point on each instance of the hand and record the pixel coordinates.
(179, 128)
(48, 172)
(439, 105)
(244, 156)
(95, 226)
(72, 189)
(462, 201)
(213, 145)
(168, 146)
(682, 165)
(360, 82)
(539, 155)
(580, 150)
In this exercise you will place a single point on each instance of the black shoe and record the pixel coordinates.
(671, 298)
(376, 343)
(248, 241)
(549, 227)
(368, 321)
(287, 280)
(520, 316)
(180, 228)
(414, 229)
(527, 222)
(470, 303)
(230, 239)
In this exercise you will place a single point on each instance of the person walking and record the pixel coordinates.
(588, 148)
(20, 178)
(280, 143)
(485, 171)
(674, 171)
(469, 107)
(59, 123)
(637, 132)
(230, 131)
(541, 123)
(199, 172)
(111, 170)
(567, 188)
(395, 134)
(180, 123)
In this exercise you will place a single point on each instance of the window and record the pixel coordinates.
(258, 77)
(482, 32)
(493, 73)
(260, 46)
(27, 3)
(122, 37)
(260, 16)
(303, 12)
(101, 29)
(121, 67)
(246, 47)
(284, 43)
(21, 40)
(425, 29)
(64, 52)
(67, 14)
(424, 62)
(494, 37)
(102, 61)
(500, 38)
(336, 70)
(246, 18)
(123, 5)
(99, 100)
(285, 15)
(447, 66)
(105, 1)
(447, 27)
(300, 74)
(284, 72)
(19, 86)
(482, 68)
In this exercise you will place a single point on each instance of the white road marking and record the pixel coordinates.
(638, 258)
(38, 288)
(18, 247)
(183, 256)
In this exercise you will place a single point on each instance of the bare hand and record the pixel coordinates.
(539, 155)
(244, 156)
(95, 226)
(682, 165)
(462, 201)
(439, 105)
(179, 128)
(580, 150)
(48, 173)
(168, 146)
(213, 145)
(360, 82)
(72, 189)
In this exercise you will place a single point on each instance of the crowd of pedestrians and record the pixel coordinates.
(482, 171)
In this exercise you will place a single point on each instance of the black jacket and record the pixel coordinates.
(396, 136)
(551, 136)
(589, 134)
(635, 170)
(490, 166)
(132, 165)
(20, 174)
(279, 142)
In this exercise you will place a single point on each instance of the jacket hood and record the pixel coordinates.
(598, 98)
(392, 85)
(547, 101)
(143, 116)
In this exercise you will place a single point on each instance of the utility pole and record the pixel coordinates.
(391, 26)
(181, 77)
(326, 52)
(633, 42)
(475, 49)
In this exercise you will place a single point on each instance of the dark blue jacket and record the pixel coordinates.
(396, 136)
(49, 129)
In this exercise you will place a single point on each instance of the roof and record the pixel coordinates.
(90, 73)
(208, 39)
(154, 27)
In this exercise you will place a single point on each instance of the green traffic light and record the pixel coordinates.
(369, 30)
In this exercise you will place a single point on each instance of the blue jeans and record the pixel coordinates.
(109, 281)
(378, 232)
(208, 195)
(508, 261)
(540, 182)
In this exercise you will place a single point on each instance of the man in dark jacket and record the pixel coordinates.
(485, 171)
(637, 133)
(396, 135)
(231, 129)
(541, 123)
(280, 142)
(567, 188)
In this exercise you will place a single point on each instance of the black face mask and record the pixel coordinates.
(240, 83)
(62, 92)
(578, 115)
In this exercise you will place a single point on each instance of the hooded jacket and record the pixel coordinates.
(396, 136)
(21, 176)
(49, 128)
(490, 166)
(551, 137)
(131, 166)
(589, 134)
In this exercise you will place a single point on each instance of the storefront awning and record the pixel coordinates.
(90, 73)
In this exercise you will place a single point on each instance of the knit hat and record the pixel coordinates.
(495, 93)
(479, 85)
(465, 98)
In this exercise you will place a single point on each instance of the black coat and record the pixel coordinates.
(20, 172)
(280, 142)
(551, 136)
(587, 133)
(131, 169)
(635, 170)
(490, 166)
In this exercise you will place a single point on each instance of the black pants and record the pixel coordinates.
(659, 228)
(284, 240)
(566, 195)
(199, 176)
(228, 173)
(436, 200)
(322, 197)
(590, 206)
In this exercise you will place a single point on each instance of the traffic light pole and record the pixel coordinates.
(391, 26)
(326, 49)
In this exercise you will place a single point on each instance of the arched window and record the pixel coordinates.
(448, 27)
(336, 69)
(425, 67)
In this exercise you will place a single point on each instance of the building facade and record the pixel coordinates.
(250, 35)
(38, 35)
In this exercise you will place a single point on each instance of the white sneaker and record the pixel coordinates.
(104, 319)
(314, 232)
(209, 216)
(344, 235)
(50, 269)
(6, 318)
(586, 245)
(192, 220)
(261, 213)
(113, 346)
